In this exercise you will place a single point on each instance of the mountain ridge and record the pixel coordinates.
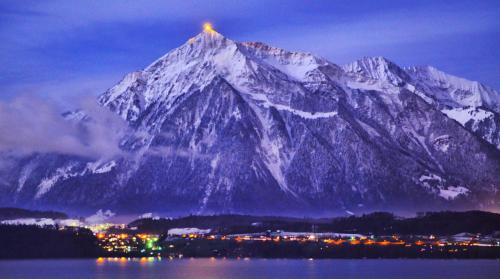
(220, 126)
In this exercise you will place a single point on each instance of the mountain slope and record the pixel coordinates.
(475, 106)
(222, 126)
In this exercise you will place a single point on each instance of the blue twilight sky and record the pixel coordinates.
(64, 49)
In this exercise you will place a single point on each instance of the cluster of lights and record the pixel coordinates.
(353, 240)
(147, 245)
(102, 260)
(125, 243)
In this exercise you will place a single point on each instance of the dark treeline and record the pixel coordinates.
(379, 223)
(439, 223)
(7, 213)
(37, 242)
(224, 223)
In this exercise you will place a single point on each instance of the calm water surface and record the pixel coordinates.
(254, 268)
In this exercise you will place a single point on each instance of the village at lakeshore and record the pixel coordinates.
(464, 235)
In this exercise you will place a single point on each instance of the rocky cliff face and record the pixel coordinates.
(222, 126)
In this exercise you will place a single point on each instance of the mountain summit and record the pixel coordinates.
(221, 126)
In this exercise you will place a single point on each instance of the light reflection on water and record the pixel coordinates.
(156, 267)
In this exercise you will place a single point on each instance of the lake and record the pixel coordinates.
(248, 268)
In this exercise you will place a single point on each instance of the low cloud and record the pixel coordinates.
(99, 217)
(149, 215)
(169, 152)
(30, 125)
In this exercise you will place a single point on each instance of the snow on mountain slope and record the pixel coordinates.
(249, 67)
(473, 105)
(223, 126)
(454, 91)
(464, 115)
(377, 69)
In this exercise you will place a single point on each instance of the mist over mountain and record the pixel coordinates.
(218, 126)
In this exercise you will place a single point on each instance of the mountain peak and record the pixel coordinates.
(207, 35)
(208, 28)
(207, 40)
(377, 68)
(371, 64)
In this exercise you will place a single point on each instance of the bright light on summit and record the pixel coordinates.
(207, 27)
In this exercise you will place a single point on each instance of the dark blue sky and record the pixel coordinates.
(65, 49)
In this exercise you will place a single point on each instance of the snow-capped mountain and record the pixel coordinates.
(475, 106)
(223, 126)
